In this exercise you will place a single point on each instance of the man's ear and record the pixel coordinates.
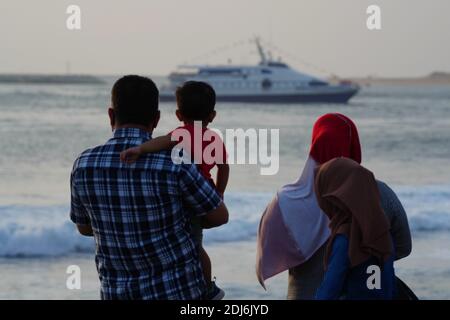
(112, 117)
(179, 115)
(212, 115)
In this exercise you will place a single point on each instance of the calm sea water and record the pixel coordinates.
(405, 134)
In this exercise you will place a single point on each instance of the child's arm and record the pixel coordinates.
(154, 145)
(223, 172)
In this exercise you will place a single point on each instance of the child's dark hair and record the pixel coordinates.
(196, 100)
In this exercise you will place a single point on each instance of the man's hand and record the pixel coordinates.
(215, 218)
(85, 230)
(130, 155)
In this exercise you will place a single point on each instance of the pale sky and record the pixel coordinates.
(154, 36)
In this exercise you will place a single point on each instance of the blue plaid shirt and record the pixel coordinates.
(140, 215)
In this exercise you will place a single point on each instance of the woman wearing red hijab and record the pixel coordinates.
(294, 230)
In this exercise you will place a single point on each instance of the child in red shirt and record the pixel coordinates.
(195, 102)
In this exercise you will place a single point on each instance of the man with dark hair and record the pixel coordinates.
(139, 214)
(135, 100)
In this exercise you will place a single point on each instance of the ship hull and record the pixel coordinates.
(329, 97)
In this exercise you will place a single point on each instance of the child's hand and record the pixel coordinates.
(130, 155)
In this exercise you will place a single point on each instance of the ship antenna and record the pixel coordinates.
(261, 51)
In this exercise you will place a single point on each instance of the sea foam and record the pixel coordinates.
(47, 231)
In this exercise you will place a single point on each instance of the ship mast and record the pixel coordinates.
(261, 52)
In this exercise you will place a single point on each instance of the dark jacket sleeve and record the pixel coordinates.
(333, 282)
(396, 214)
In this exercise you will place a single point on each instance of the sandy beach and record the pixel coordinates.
(37, 278)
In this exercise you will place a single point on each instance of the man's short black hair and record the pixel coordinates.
(135, 100)
(196, 100)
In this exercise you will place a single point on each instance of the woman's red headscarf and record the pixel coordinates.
(335, 135)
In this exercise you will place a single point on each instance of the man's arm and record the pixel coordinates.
(201, 197)
(78, 213)
(215, 218)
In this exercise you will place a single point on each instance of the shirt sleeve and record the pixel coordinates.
(398, 219)
(338, 266)
(198, 194)
(78, 213)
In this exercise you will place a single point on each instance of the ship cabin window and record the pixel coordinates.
(219, 71)
(266, 71)
(317, 83)
(282, 84)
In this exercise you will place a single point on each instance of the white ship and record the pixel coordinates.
(267, 82)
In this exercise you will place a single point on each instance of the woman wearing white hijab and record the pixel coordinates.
(293, 230)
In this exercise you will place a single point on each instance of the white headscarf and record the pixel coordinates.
(301, 212)
(292, 228)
